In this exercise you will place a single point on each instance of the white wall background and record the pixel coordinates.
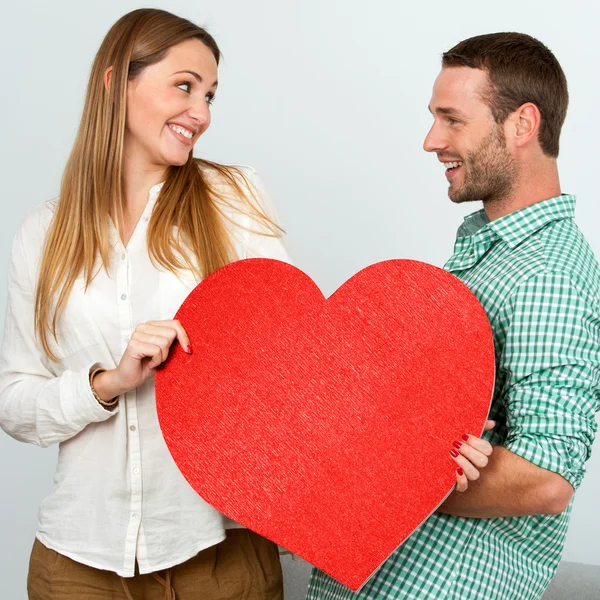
(328, 100)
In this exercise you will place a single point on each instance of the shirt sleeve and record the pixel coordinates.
(36, 405)
(552, 364)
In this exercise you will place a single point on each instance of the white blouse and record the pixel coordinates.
(118, 495)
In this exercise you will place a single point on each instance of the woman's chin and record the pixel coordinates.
(177, 160)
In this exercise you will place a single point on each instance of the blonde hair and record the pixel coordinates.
(190, 203)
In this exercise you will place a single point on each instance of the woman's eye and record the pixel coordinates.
(185, 86)
(210, 98)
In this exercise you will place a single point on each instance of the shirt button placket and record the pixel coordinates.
(133, 446)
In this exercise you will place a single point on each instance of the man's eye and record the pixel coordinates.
(185, 86)
(452, 121)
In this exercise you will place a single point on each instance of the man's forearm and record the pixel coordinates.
(510, 486)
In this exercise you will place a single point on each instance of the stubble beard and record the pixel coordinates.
(490, 172)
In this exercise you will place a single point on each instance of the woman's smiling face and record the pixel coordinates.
(168, 106)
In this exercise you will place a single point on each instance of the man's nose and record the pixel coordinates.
(434, 140)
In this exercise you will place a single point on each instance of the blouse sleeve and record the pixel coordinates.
(36, 405)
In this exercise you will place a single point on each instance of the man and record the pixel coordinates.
(498, 107)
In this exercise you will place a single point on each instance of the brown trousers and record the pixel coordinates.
(244, 566)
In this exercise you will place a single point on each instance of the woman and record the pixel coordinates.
(95, 278)
(138, 223)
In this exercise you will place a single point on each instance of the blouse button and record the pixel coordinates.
(123, 296)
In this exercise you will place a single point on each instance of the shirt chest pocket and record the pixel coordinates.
(76, 330)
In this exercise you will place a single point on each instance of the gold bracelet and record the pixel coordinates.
(107, 404)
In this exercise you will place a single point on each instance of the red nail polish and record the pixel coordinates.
(457, 444)
(460, 471)
(465, 437)
(188, 349)
(454, 453)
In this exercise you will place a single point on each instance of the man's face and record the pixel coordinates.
(467, 140)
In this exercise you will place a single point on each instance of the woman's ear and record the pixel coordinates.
(107, 78)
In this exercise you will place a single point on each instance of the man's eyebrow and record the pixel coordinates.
(446, 111)
(196, 76)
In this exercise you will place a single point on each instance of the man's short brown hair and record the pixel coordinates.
(520, 69)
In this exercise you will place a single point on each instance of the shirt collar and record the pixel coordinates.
(114, 238)
(152, 197)
(478, 234)
(519, 225)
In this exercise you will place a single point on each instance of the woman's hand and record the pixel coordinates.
(471, 454)
(148, 347)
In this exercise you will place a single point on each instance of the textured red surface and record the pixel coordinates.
(325, 425)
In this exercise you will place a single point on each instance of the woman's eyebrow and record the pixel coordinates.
(196, 76)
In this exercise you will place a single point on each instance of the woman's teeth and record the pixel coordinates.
(184, 132)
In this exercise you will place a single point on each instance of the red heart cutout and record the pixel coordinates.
(325, 425)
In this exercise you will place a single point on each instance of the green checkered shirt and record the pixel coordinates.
(539, 283)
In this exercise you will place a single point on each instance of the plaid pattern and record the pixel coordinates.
(539, 283)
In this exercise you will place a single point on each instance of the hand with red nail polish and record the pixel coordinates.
(148, 347)
(471, 455)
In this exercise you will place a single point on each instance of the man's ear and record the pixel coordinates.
(526, 122)
(107, 78)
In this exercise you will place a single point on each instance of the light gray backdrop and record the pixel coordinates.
(328, 100)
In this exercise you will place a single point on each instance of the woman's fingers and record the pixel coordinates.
(470, 454)
(470, 442)
(474, 449)
(462, 483)
(156, 328)
(177, 331)
(473, 455)
(155, 342)
(141, 349)
(148, 347)
(471, 472)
